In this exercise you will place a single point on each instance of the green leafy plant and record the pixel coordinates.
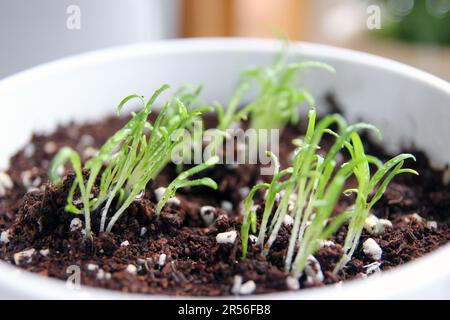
(182, 181)
(370, 189)
(278, 98)
(309, 191)
(127, 161)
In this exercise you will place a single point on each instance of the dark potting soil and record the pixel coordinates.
(131, 258)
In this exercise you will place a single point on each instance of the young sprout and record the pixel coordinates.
(278, 98)
(182, 181)
(310, 190)
(132, 159)
(370, 189)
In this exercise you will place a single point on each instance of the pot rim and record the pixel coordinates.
(400, 280)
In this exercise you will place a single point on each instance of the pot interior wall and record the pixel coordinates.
(407, 108)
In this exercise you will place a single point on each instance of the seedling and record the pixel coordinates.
(182, 182)
(309, 191)
(132, 159)
(370, 189)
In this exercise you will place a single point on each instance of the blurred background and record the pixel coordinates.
(416, 32)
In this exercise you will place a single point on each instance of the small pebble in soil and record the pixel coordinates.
(50, 147)
(292, 283)
(76, 224)
(207, 213)
(5, 183)
(237, 283)
(92, 267)
(226, 237)
(101, 274)
(372, 249)
(226, 205)
(44, 252)
(413, 217)
(375, 226)
(28, 182)
(287, 220)
(29, 150)
(432, 225)
(125, 243)
(373, 267)
(162, 260)
(143, 231)
(24, 256)
(243, 192)
(313, 270)
(253, 239)
(159, 193)
(174, 201)
(86, 140)
(327, 243)
(5, 236)
(247, 288)
(386, 223)
(131, 268)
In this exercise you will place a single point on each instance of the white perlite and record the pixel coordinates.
(92, 267)
(143, 231)
(237, 283)
(50, 147)
(207, 213)
(292, 283)
(174, 200)
(327, 243)
(226, 237)
(125, 243)
(376, 226)
(253, 239)
(162, 259)
(372, 249)
(287, 220)
(29, 150)
(5, 236)
(243, 192)
(313, 270)
(44, 252)
(5, 183)
(27, 180)
(76, 224)
(23, 256)
(101, 274)
(386, 223)
(432, 225)
(248, 287)
(414, 217)
(226, 205)
(86, 140)
(372, 268)
(159, 192)
(131, 268)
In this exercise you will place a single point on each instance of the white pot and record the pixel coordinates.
(408, 105)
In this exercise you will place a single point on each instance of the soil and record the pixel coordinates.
(128, 259)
